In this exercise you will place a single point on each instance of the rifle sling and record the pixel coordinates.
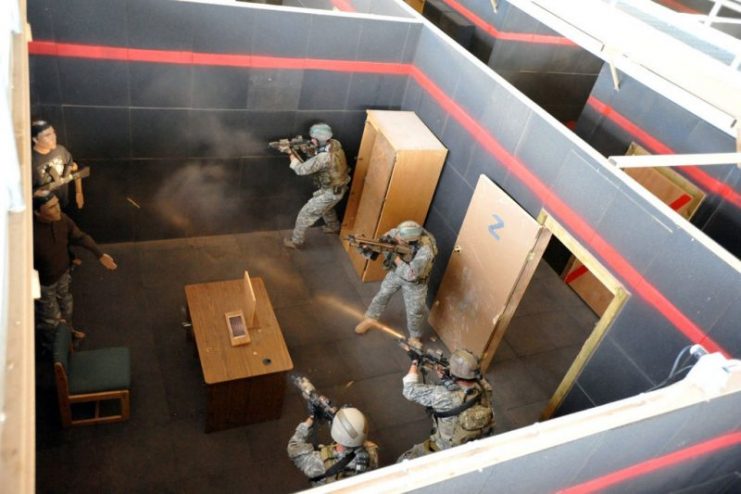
(336, 468)
(459, 409)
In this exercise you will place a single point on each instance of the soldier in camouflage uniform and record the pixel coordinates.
(461, 406)
(331, 175)
(350, 455)
(410, 277)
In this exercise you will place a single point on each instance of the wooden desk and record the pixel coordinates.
(246, 383)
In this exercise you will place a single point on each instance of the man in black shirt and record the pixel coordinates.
(53, 233)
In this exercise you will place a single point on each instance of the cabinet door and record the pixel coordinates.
(380, 166)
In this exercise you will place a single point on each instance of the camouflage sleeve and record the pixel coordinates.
(303, 454)
(411, 271)
(312, 165)
(429, 395)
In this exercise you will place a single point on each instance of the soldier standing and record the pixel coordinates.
(53, 234)
(461, 406)
(411, 277)
(349, 455)
(331, 175)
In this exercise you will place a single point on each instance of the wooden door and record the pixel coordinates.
(380, 166)
(496, 252)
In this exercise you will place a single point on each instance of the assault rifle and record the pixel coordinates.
(427, 358)
(302, 149)
(387, 246)
(320, 407)
(80, 174)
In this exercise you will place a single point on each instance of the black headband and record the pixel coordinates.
(38, 126)
(41, 198)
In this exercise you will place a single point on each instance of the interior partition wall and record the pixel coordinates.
(172, 104)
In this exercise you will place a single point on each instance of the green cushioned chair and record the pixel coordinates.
(90, 376)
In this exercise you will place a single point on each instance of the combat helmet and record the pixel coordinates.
(409, 231)
(349, 427)
(322, 132)
(464, 364)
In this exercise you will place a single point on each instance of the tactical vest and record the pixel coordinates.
(427, 240)
(336, 174)
(366, 458)
(474, 421)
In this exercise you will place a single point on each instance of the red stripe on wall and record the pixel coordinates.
(556, 206)
(212, 59)
(495, 33)
(655, 464)
(654, 145)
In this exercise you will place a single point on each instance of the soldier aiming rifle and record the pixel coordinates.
(426, 359)
(460, 405)
(324, 159)
(349, 454)
(407, 272)
(385, 245)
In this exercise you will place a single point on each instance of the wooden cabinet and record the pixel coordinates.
(395, 177)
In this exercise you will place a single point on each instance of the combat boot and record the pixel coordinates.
(287, 242)
(330, 230)
(364, 325)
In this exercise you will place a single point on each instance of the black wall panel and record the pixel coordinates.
(97, 132)
(89, 82)
(222, 87)
(160, 85)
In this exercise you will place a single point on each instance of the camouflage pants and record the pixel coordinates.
(414, 295)
(320, 206)
(54, 305)
(417, 451)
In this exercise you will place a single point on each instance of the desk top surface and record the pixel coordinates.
(265, 354)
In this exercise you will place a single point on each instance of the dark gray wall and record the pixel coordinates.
(654, 117)
(557, 77)
(639, 239)
(687, 430)
(188, 143)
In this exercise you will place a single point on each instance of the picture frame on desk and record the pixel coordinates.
(237, 327)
